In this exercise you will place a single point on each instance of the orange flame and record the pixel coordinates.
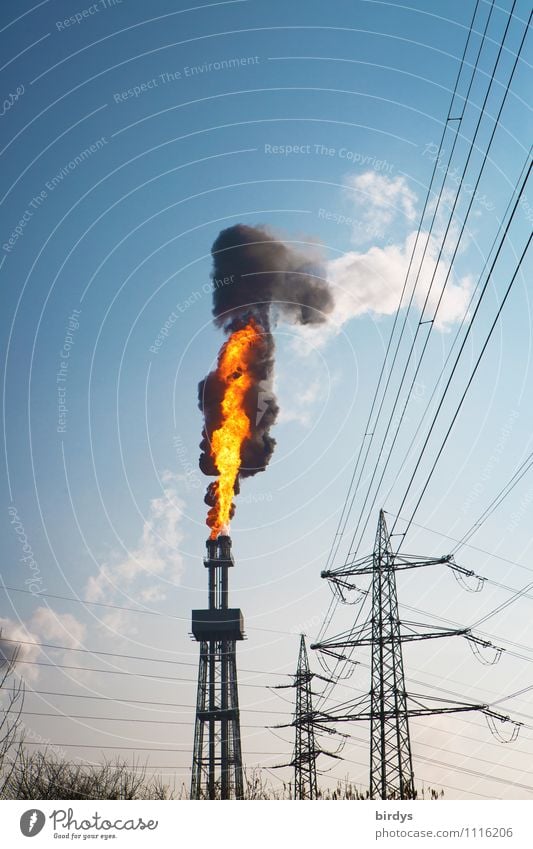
(234, 372)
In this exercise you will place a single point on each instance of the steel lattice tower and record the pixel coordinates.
(391, 762)
(388, 705)
(305, 752)
(307, 722)
(217, 758)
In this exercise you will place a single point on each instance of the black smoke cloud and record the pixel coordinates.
(255, 275)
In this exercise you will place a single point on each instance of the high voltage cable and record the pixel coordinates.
(162, 722)
(518, 594)
(463, 320)
(396, 317)
(424, 758)
(478, 361)
(434, 217)
(482, 633)
(268, 673)
(127, 656)
(122, 672)
(343, 519)
(431, 322)
(450, 752)
(323, 696)
(128, 748)
(112, 718)
(254, 671)
(412, 295)
(62, 715)
(157, 749)
(40, 594)
(514, 480)
(467, 771)
(359, 784)
(351, 736)
(419, 230)
(467, 545)
(121, 700)
(287, 633)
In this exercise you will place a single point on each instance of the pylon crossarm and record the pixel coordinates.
(353, 710)
(323, 678)
(365, 566)
(304, 723)
(421, 700)
(412, 561)
(330, 754)
(347, 669)
(404, 637)
(341, 641)
(392, 715)
(347, 570)
(436, 631)
(336, 655)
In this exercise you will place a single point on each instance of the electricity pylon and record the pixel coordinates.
(306, 725)
(389, 704)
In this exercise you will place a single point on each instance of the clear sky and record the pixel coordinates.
(133, 133)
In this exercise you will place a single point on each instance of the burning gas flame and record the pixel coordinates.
(258, 279)
(233, 372)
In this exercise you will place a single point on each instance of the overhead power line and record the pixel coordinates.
(121, 672)
(471, 378)
(121, 700)
(504, 492)
(126, 656)
(7, 588)
(408, 396)
(369, 431)
(466, 314)
(490, 554)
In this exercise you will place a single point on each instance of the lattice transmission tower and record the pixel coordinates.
(388, 706)
(307, 726)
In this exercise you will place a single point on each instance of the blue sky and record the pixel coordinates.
(130, 139)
